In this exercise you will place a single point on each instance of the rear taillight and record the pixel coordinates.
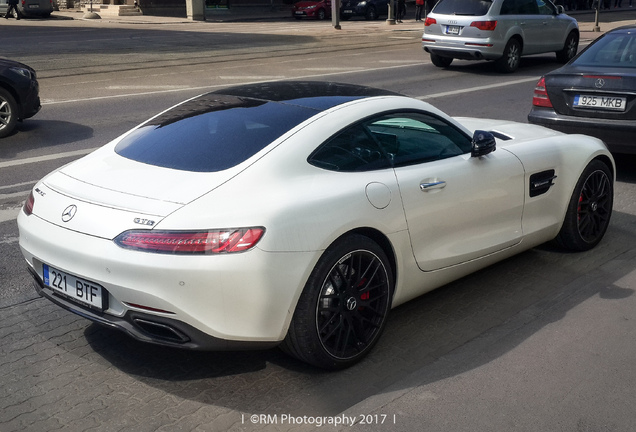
(430, 21)
(484, 25)
(28, 205)
(191, 242)
(540, 97)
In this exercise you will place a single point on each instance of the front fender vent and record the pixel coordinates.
(541, 182)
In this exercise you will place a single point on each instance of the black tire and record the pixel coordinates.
(322, 14)
(589, 210)
(344, 306)
(440, 61)
(8, 113)
(509, 61)
(570, 48)
(371, 14)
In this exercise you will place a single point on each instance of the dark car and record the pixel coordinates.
(19, 94)
(594, 93)
(29, 8)
(369, 9)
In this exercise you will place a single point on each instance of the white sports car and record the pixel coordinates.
(300, 213)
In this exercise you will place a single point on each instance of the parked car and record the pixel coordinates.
(498, 30)
(369, 9)
(300, 213)
(19, 94)
(30, 8)
(595, 93)
(318, 9)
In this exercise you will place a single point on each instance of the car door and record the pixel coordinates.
(544, 31)
(458, 208)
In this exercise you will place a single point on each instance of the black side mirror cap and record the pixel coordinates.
(483, 143)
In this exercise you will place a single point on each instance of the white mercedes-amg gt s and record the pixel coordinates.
(299, 214)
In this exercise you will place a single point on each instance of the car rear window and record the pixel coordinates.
(612, 50)
(211, 133)
(462, 7)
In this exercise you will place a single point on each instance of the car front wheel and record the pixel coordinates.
(344, 307)
(589, 209)
(8, 113)
(509, 62)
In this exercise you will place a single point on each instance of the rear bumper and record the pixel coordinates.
(462, 48)
(618, 135)
(150, 328)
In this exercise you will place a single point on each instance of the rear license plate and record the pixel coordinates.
(80, 290)
(453, 30)
(347, 11)
(34, 6)
(600, 102)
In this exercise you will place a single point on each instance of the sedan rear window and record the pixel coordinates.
(463, 7)
(211, 133)
(612, 50)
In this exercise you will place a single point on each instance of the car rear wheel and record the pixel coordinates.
(569, 49)
(371, 14)
(8, 113)
(322, 14)
(589, 209)
(440, 61)
(344, 307)
(509, 62)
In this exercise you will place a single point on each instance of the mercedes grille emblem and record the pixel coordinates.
(600, 82)
(69, 212)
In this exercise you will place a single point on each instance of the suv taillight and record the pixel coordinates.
(484, 25)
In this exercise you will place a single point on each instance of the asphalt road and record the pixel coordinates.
(541, 341)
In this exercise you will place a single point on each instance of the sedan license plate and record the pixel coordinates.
(80, 290)
(454, 30)
(35, 6)
(600, 102)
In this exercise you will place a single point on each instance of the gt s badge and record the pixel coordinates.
(146, 222)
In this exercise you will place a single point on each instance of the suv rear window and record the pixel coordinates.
(463, 7)
(211, 133)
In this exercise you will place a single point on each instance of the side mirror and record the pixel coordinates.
(483, 143)
(560, 9)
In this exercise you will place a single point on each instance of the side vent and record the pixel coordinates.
(541, 182)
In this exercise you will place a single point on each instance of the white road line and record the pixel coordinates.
(478, 88)
(54, 156)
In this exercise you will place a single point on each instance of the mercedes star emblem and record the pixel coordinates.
(69, 212)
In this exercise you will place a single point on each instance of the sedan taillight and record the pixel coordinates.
(540, 97)
(191, 242)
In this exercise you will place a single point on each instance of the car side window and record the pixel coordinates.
(413, 138)
(527, 7)
(353, 149)
(509, 7)
(545, 8)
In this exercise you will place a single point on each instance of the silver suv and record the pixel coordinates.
(499, 30)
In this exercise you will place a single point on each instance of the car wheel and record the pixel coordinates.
(569, 49)
(509, 62)
(344, 306)
(322, 14)
(8, 113)
(371, 14)
(440, 61)
(589, 209)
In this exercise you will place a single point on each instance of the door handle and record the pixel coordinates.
(432, 185)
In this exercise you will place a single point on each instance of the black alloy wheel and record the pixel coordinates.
(344, 307)
(589, 210)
